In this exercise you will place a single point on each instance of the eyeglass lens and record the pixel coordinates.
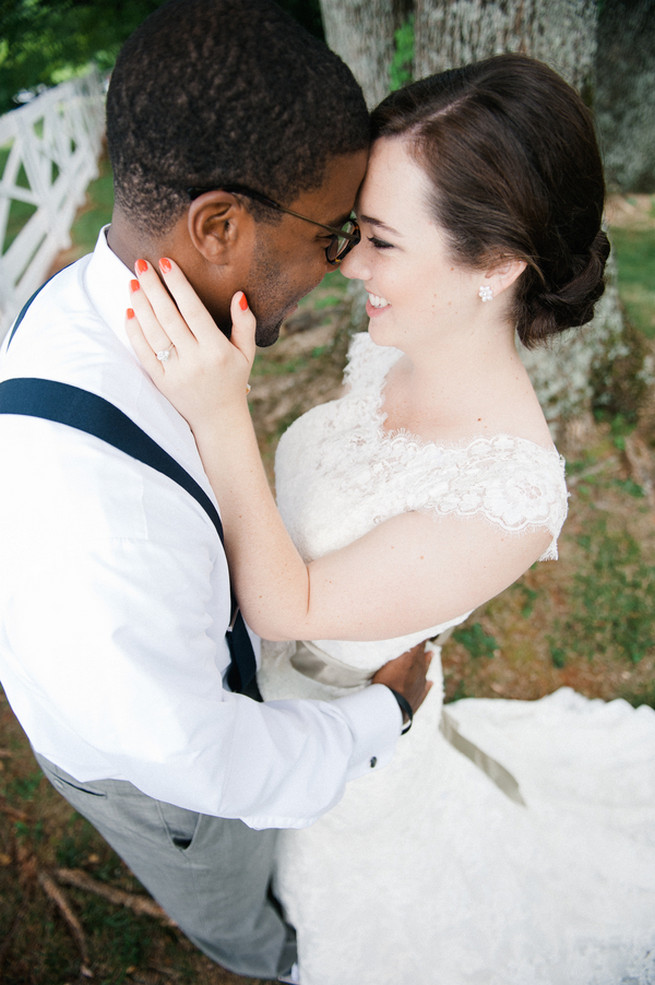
(340, 246)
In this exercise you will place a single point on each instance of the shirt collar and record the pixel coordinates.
(108, 283)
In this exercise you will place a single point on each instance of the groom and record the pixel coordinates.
(238, 143)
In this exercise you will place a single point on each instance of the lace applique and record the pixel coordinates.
(511, 481)
(368, 364)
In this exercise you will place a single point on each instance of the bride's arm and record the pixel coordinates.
(408, 573)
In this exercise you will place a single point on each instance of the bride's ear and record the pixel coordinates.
(503, 274)
(219, 227)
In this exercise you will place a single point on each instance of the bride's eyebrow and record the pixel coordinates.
(378, 222)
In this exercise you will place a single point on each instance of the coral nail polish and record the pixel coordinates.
(130, 313)
(243, 302)
(165, 265)
(141, 266)
(134, 285)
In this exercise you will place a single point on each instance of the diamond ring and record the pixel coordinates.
(163, 354)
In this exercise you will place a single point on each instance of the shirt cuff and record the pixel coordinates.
(376, 722)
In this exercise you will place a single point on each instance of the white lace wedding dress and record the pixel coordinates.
(427, 872)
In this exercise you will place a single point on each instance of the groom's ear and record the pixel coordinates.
(220, 228)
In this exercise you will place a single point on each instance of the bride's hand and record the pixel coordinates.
(189, 359)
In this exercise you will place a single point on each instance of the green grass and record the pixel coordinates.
(477, 642)
(610, 600)
(635, 253)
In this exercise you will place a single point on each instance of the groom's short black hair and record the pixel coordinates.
(208, 92)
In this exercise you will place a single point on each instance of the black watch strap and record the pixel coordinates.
(406, 709)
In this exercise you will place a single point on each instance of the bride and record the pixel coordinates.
(509, 842)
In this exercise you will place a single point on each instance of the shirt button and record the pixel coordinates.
(374, 761)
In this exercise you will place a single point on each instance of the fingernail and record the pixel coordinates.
(134, 285)
(243, 302)
(130, 313)
(165, 265)
(141, 266)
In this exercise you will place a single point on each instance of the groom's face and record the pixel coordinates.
(288, 258)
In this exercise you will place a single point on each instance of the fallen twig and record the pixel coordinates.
(139, 904)
(58, 897)
(13, 812)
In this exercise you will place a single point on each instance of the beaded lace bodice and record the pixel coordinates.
(339, 472)
(361, 474)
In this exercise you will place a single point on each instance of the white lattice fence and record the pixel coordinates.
(50, 149)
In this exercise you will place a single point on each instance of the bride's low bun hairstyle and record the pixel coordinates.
(543, 310)
(512, 157)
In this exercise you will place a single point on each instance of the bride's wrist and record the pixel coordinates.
(229, 418)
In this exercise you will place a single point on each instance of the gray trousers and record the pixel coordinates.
(211, 875)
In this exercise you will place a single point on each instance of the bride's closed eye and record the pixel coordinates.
(379, 244)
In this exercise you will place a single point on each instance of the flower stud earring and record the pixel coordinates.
(485, 292)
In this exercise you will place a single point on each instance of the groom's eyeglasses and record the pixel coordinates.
(342, 240)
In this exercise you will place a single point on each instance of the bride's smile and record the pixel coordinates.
(417, 292)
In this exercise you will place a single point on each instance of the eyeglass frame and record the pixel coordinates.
(352, 238)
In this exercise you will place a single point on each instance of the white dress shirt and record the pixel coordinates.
(114, 597)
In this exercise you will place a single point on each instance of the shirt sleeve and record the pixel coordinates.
(115, 659)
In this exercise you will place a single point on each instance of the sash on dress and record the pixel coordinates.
(313, 662)
(494, 770)
(317, 664)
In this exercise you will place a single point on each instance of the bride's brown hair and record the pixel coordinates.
(514, 164)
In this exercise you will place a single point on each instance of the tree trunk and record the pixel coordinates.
(625, 102)
(362, 33)
(455, 32)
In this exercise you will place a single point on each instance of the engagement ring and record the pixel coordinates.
(163, 354)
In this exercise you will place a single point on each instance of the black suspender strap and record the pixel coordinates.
(77, 408)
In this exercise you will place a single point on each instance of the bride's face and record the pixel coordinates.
(416, 290)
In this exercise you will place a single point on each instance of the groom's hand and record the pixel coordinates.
(406, 674)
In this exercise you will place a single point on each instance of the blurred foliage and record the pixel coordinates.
(44, 42)
(400, 72)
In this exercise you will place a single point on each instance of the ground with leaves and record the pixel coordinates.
(70, 912)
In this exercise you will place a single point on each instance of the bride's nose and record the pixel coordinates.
(353, 266)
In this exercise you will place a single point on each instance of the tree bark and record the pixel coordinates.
(626, 93)
(560, 32)
(362, 33)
